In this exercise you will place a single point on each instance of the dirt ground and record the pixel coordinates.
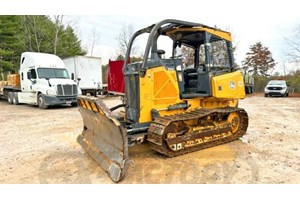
(39, 146)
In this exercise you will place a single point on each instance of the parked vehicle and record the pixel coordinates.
(249, 82)
(43, 80)
(277, 88)
(87, 72)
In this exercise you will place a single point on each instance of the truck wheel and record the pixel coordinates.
(247, 90)
(10, 97)
(251, 90)
(41, 101)
(95, 93)
(15, 99)
(74, 104)
(266, 95)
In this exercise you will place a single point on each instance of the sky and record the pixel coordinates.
(250, 21)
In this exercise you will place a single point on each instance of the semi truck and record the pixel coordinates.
(43, 80)
(86, 71)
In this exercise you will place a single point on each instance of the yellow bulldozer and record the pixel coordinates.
(178, 105)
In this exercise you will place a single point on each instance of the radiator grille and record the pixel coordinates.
(274, 88)
(66, 90)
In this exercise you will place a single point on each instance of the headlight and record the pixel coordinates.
(50, 92)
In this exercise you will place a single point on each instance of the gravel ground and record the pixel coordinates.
(39, 146)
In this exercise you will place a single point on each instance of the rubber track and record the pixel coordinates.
(159, 124)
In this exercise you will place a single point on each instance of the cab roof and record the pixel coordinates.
(194, 36)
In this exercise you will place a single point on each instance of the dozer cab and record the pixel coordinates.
(179, 104)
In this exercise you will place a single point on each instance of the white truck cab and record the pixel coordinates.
(45, 81)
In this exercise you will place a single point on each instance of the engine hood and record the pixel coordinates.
(56, 81)
(277, 85)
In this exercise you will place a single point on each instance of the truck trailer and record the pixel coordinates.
(86, 71)
(43, 80)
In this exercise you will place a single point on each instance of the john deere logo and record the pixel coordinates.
(232, 85)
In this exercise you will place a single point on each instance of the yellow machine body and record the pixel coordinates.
(159, 89)
(175, 107)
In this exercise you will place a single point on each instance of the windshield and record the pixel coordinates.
(276, 83)
(53, 73)
(217, 52)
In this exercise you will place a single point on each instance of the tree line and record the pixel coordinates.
(41, 33)
(260, 63)
(35, 33)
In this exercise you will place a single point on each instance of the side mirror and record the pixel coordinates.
(160, 51)
(78, 79)
(72, 76)
(288, 85)
(29, 75)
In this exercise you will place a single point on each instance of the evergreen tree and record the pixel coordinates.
(41, 36)
(37, 31)
(259, 60)
(34, 33)
(10, 46)
(69, 44)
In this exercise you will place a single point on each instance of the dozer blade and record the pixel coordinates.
(103, 137)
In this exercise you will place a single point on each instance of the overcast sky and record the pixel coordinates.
(250, 21)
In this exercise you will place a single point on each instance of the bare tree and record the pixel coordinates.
(35, 34)
(58, 20)
(27, 40)
(38, 33)
(123, 39)
(293, 43)
(234, 37)
(94, 38)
